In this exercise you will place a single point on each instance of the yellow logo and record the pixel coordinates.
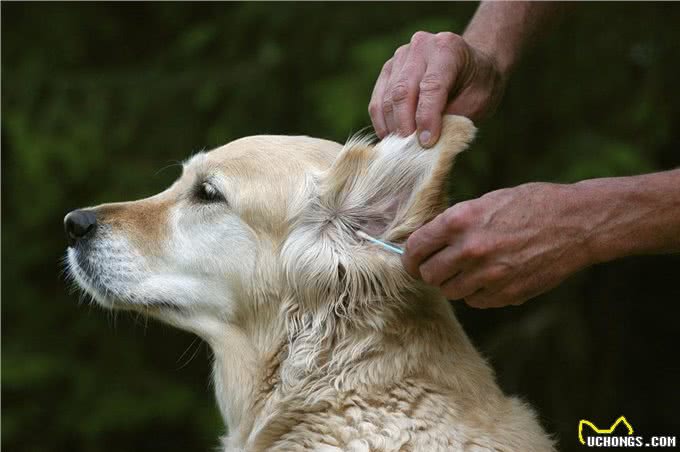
(603, 431)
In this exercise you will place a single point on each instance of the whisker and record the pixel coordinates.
(198, 347)
(170, 165)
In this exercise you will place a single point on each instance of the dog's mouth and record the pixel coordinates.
(85, 277)
(107, 288)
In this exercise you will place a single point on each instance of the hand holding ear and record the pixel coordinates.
(432, 75)
(505, 247)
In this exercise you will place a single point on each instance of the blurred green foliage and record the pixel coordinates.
(98, 98)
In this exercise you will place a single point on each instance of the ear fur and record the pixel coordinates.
(392, 188)
(388, 190)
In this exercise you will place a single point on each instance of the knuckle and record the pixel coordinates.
(387, 105)
(399, 92)
(428, 275)
(431, 84)
(455, 217)
(419, 37)
(388, 65)
(473, 249)
(373, 108)
(400, 51)
(452, 221)
(467, 210)
(413, 247)
(496, 273)
(448, 41)
(448, 38)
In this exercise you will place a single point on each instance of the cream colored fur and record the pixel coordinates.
(321, 340)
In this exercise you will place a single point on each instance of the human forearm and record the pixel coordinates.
(502, 29)
(631, 215)
(515, 243)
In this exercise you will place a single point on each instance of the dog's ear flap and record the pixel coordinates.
(390, 189)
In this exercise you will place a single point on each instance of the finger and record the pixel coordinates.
(489, 298)
(375, 107)
(441, 266)
(433, 95)
(404, 93)
(434, 89)
(462, 285)
(424, 242)
(388, 104)
(481, 299)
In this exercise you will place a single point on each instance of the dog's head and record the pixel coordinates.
(263, 220)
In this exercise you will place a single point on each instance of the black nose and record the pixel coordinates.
(78, 224)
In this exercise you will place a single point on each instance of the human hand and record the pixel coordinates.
(432, 75)
(505, 247)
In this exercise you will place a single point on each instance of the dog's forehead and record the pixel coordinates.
(266, 154)
(265, 177)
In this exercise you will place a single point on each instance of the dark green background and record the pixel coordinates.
(96, 99)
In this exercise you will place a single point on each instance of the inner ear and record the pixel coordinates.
(376, 223)
(390, 189)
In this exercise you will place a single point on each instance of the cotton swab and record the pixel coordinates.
(387, 246)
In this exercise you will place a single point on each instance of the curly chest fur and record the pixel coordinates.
(412, 415)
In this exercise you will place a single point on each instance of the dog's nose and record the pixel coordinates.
(78, 224)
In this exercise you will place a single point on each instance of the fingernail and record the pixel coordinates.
(425, 136)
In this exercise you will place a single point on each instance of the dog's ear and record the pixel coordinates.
(390, 189)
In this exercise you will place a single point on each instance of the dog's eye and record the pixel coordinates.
(206, 192)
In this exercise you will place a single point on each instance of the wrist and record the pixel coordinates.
(501, 30)
(588, 205)
(501, 58)
(630, 215)
(576, 210)
(498, 31)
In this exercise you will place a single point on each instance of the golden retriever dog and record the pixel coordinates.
(321, 340)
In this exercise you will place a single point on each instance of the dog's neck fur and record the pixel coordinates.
(277, 369)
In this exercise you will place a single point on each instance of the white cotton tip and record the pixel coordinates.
(387, 246)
